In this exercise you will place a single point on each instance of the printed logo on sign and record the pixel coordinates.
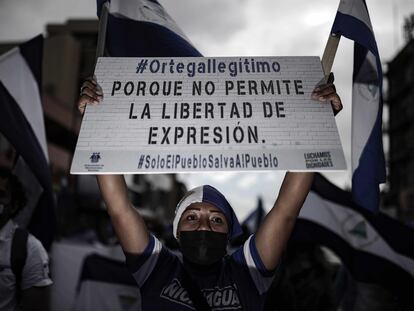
(95, 157)
(94, 166)
(318, 159)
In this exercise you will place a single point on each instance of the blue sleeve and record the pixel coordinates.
(142, 265)
(249, 257)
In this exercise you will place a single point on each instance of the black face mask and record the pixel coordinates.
(203, 247)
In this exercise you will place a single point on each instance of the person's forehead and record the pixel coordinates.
(203, 206)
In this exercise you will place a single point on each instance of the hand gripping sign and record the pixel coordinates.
(166, 115)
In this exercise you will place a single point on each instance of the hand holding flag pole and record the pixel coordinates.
(89, 92)
(327, 63)
(368, 162)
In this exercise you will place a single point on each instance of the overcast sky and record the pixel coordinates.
(242, 28)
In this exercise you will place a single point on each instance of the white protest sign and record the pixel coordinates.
(165, 115)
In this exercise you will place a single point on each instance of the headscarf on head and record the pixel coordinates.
(208, 194)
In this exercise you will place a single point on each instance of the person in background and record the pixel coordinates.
(24, 263)
(204, 277)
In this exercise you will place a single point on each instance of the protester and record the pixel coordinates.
(204, 278)
(306, 281)
(24, 263)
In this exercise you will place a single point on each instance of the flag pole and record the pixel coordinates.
(100, 50)
(329, 53)
(103, 21)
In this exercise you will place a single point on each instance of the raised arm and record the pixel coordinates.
(274, 232)
(128, 224)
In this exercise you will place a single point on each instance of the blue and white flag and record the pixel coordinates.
(142, 28)
(22, 123)
(374, 247)
(106, 284)
(368, 163)
(254, 219)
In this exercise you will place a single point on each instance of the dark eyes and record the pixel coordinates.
(191, 217)
(214, 219)
(217, 220)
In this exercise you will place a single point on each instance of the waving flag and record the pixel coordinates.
(374, 247)
(142, 28)
(254, 219)
(106, 284)
(21, 122)
(368, 163)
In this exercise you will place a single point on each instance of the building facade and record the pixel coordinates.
(401, 132)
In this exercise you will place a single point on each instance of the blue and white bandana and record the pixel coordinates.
(210, 195)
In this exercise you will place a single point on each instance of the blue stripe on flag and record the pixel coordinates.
(370, 170)
(19, 133)
(356, 30)
(130, 38)
(15, 127)
(400, 237)
(32, 52)
(127, 37)
(364, 267)
(383, 256)
(107, 270)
